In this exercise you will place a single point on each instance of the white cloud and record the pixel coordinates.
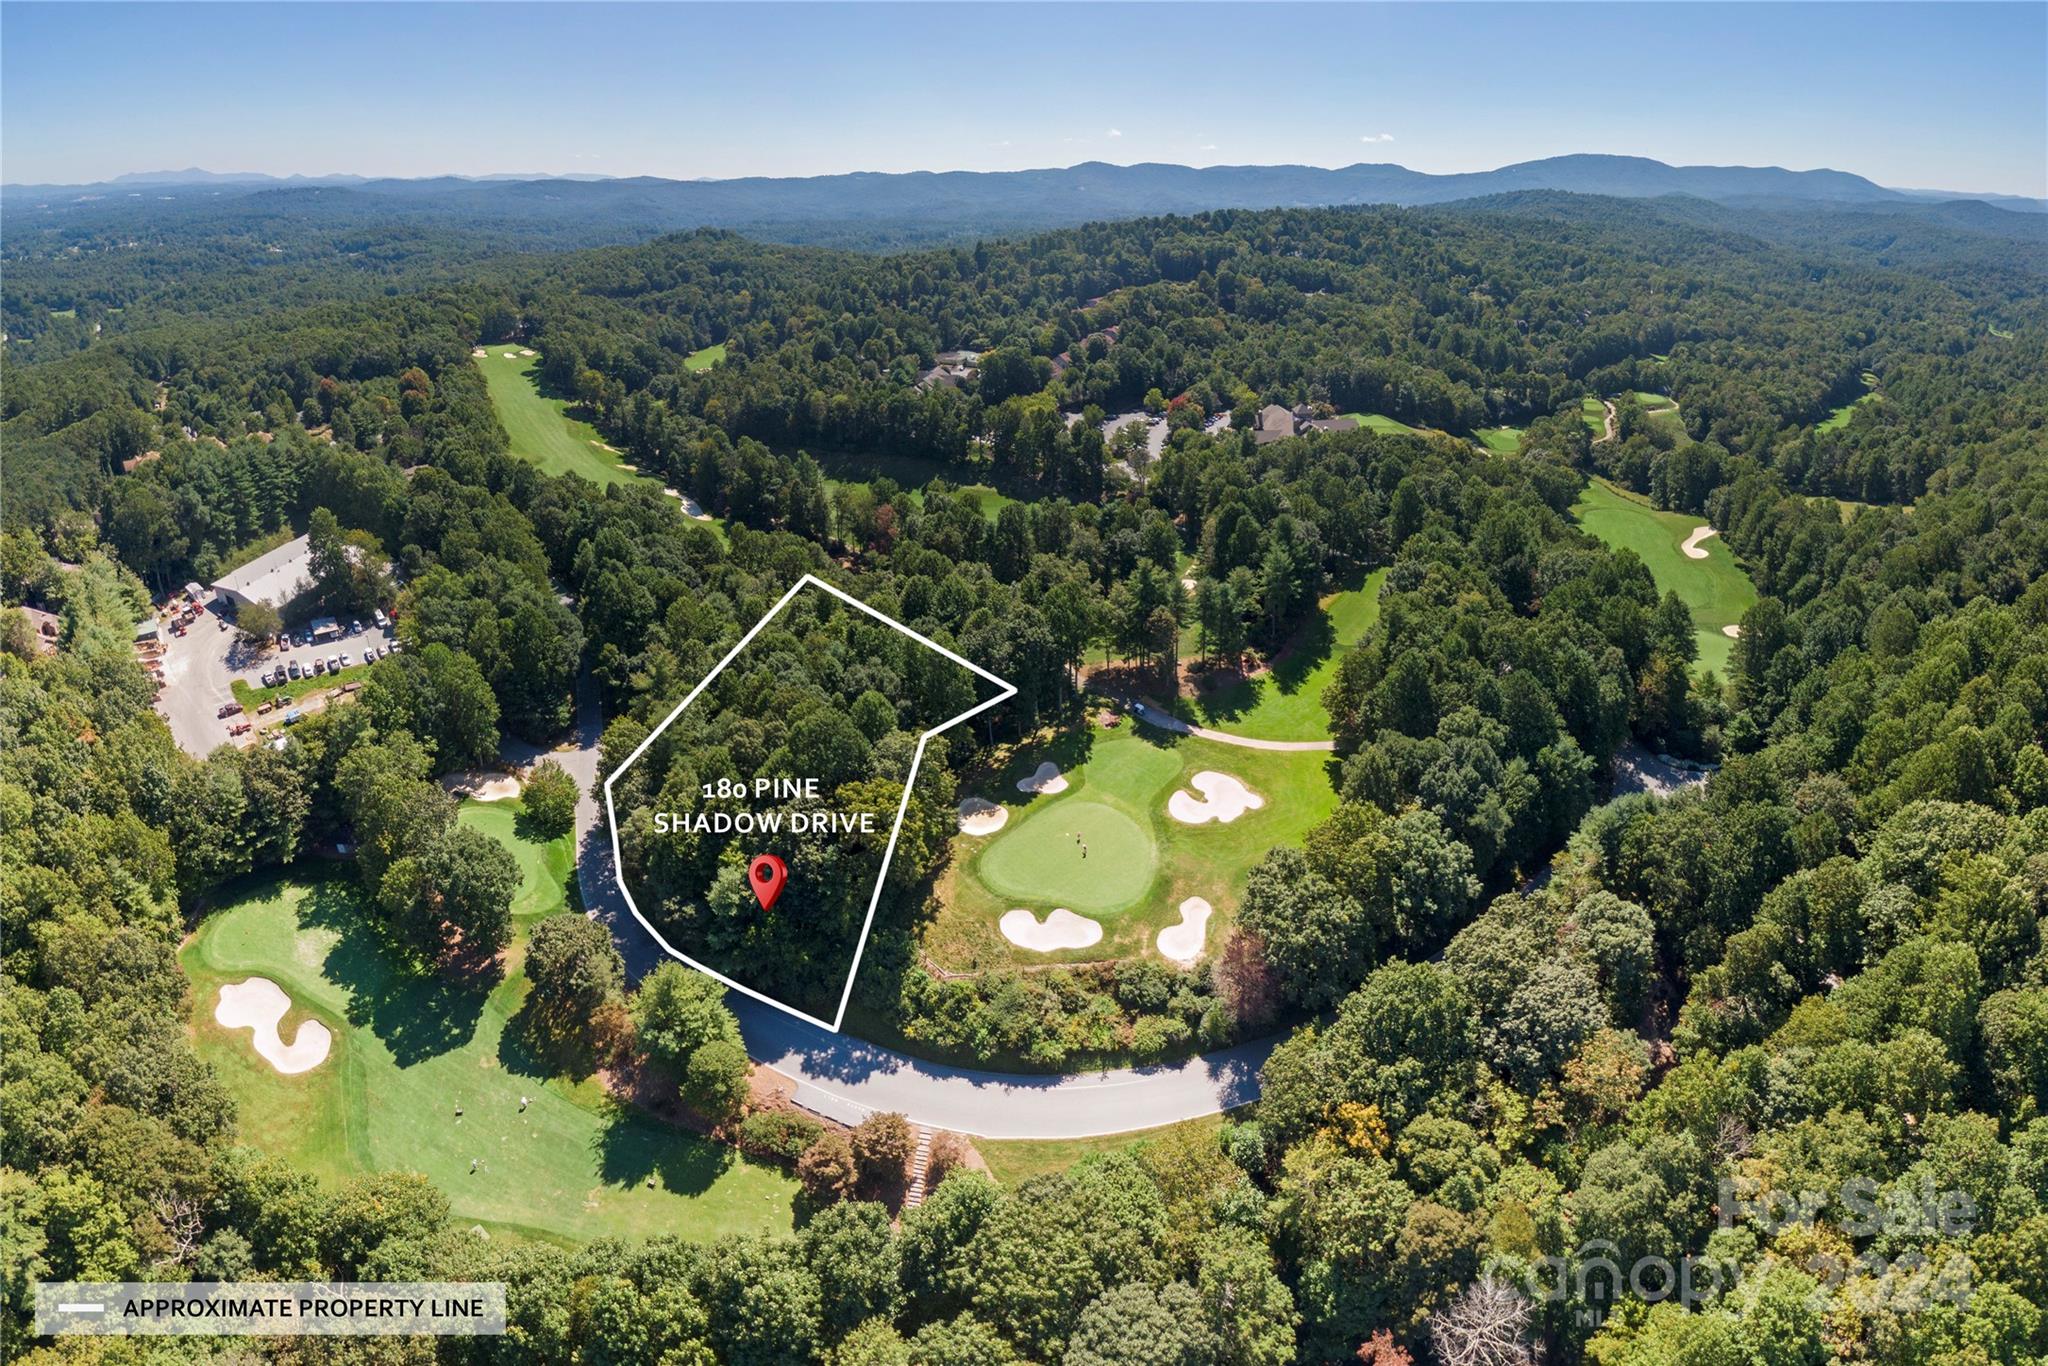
(1377, 137)
(1114, 133)
(1208, 146)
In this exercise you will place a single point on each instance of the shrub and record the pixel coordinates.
(881, 1149)
(780, 1134)
(826, 1168)
(715, 1081)
(948, 1153)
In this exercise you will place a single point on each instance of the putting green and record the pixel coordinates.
(1500, 440)
(1082, 854)
(1714, 586)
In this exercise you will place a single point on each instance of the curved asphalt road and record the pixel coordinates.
(848, 1078)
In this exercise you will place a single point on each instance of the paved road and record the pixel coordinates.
(1153, 716)
(847, 1078)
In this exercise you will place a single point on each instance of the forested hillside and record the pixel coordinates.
(1749, 1072)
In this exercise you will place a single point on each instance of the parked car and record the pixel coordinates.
(319, 667)
(334, 663)
(239, 728)
(397, 646)
(294, 716)
(229, 709)
(381, 620)
(292, 668)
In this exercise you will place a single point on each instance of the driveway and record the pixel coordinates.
(847, 1078)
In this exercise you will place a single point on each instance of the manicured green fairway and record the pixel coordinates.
(1715, 588)
(1653, 402)
(1839, 418)
(1129, 770)
(1083, 854)
(1594, 414)
(1500, 440)
(544, 868)
(1374, 422)
(540, 428)
(1286, 703)
(409, 1050)
(705, 359)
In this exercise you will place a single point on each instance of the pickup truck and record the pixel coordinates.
(229, 709)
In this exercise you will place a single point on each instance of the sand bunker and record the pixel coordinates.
(1731, 631)
(691, 508)
(482, 786)
(1183, 942)
(1190, 585)
(511, 355)
(1223, 799)
(1061, 930)
(257, 1005)
(980, 816)
(1692, 543)
(524, 352)
(478, 352)
(1045, 782)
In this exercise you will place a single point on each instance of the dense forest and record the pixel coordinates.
(1754, 1072)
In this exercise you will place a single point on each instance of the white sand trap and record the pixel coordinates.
(511, 355)
(1044, 783)
(257, 1005)
(1692, 543)
(478, 352)
(524, 352)
(482, 786)
(1190, 585)
(1733, 632)
(1061, 930)
(691, 508)
(1223, 799)
(1183, 942)
(980, 816)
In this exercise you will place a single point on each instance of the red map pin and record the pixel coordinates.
(765, 874)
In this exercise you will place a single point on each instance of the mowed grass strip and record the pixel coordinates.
(1286, 702)
(1594, 414)
(540, 427)
(1715, 588)
(1501, 440)
(410, 1050)
(705, 359)
(1384, 425)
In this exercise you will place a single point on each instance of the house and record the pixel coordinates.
(1331, 424)
(277, 578)
(1275, 424)
(47, 626)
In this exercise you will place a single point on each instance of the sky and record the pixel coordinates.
(1943, 96)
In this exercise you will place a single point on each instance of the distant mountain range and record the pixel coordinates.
(886, 209)
(1149, 187)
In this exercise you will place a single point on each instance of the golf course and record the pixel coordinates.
(540, 428)
(431, 1075)
(1141, 862)
(1286, 701)
(1707, 579)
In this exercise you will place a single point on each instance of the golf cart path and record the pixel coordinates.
(848, 1078)
(1153, 716)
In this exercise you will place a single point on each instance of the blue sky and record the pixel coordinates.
(1941, 96)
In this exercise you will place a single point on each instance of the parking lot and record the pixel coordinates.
(200, 667)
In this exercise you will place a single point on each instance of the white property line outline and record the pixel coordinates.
(1007, 691)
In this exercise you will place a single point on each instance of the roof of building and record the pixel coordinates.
(1334, 424)
(1274, 418)
(275, 577)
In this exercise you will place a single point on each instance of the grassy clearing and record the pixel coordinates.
(1839, 418)
(1131, 770)
(1501, 440)
(1715, 588)
(705, 359)
(292, 689)
(1373, 422)
(1012, 1161)
(410, 1050)
(1287, 702)
(540, 428)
